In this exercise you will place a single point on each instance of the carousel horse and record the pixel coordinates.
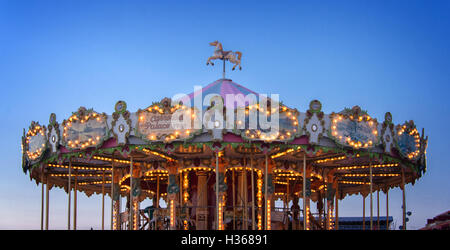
(219, 53)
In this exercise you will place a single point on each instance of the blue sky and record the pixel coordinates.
(56, 56)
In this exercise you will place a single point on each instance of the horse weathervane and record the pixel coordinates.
(219, 53)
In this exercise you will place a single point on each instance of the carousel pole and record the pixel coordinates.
(245, 189)
(112, 191)
(378, 209)
(70, 193)
(265, 193)
(130, 209)
(241, 196)
(75, 203)
(387, 209)
(253, 194)
(42, 200)
(364, 212)
(157, 199)
(157, 192)
(46, 202)
(404, 200)
(234, 203)
(181, 200)
(103, 200)
(371, 200)
(181, 190)
(304, 192)
(217, 191)
(287, 198)
(336, 219)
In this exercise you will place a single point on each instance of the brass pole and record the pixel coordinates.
(103, 200)
(304, 192)
(46, 203)
(404, 200)
(253, 195)
(112, 191)
(75, 203)
(42, 200)
(265, 193)
(234, 203)
(130, 209)
(364, 212)
(245, 189)
(336, 219)
(387, 209)
(371, 201)
(217, 191)
(181, 190)
(157, 200)
(69, 190)
(378, 209)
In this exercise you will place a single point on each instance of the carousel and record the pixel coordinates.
(220, 157)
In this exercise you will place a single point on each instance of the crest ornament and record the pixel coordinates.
(53, 133)
(387, 134)
(121, 124)
(314, 124)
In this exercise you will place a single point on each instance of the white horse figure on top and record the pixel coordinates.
(233, 57)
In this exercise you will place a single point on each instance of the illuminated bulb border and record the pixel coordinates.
(373, 124)
(91, 142)
(416, 135)
(256, 134)
(37, 129)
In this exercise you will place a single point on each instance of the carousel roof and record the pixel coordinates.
(223, 87)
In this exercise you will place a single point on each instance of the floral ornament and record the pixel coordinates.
(353, 127)
(53, 133)
(314, 124)
(35, 141)
(84, 129)
(387, 130)
(121, 124)
(408, 140)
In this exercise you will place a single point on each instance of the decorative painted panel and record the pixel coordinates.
(36, 141)
(84, 129)
(354, 128)
(408, 140)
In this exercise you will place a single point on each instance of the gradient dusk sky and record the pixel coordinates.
(56, 56)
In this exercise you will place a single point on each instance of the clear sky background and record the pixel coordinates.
(56, 56)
